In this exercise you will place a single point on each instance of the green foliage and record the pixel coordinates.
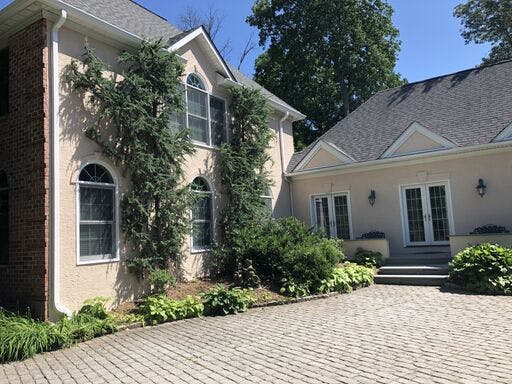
(485, 268)
(245, 275)
(132, 126)
(346, 278)
(160, 279)
(23, 337)
(224, 301)
(290, 288)
(325, 57)
(488, 21)
(368, 258)
(243, 164)
(160, 309)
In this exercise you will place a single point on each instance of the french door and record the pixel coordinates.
(332, 214)
(426, 212)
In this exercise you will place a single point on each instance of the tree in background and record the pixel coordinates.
(488, 21)
(325, 57)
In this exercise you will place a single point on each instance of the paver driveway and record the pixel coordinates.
(384, 334)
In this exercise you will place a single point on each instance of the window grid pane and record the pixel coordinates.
(341, 216)
(202, 219)
(198, 128)
(322, 214)
(440, 224)
(96, 204)
(196, 103)
(218, 120)
(415, 215)
(96, 241)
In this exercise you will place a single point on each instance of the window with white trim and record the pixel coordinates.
(96, 214)
(205, 114)
(202, 215)
(267, 198)
(4, 219)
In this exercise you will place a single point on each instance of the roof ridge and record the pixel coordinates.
(152, 12)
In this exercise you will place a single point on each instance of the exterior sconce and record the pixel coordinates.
(371, 198)
(481, 187)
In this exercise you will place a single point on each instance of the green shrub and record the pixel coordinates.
(82, 327)
(159, 309)
(286, 249)
(245, 275)
(485, 268)
(368, 258)
(23, 337)
(95, 307)
(290, 288)
(160, 280)
(223, 301)
(346, 278)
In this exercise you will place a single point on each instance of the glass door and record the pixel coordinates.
(426, 214)
(332, 214)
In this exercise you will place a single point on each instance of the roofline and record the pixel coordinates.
(296, 115)
(201, 31)
(402, 160)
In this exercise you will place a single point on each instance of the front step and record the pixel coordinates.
(418, 261)
(411, 279)
(431, 269)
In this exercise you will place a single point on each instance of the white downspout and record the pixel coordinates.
(55, 173)
(283, 165)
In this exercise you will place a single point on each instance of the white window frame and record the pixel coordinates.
(269, 196)
(210, 192)
(425, 204)
(209, 144)
(116, 241)
(330, 197)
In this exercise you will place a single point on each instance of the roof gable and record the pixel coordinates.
(504, 135)
(322, 155)
(417, 139)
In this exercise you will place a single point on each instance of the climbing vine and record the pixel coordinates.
(132, 126)
(243, 165)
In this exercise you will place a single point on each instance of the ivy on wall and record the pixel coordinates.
(244, 163)
(132, 126)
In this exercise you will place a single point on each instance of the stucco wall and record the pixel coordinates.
(79, 282)
(322, 159)
(469, 209)
(417, 143)
(376, 245)
(458, 243)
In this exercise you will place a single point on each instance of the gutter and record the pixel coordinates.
(56, 308)
(283, 165)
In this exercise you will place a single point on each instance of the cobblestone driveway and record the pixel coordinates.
(382, 334)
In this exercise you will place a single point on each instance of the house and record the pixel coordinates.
(425, 163)
(59, 195)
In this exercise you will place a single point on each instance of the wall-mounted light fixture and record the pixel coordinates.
(481, 187)
(371, 197)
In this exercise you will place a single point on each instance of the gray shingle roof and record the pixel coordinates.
(128, 15)
(133, 18)
(470, 107)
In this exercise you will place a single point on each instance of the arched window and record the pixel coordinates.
(97, 214)
(202, 215)
(267, 198)
(206, 114)
(4, 219)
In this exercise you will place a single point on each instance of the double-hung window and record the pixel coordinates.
(205, 114)
(97, 215)
(202, 215)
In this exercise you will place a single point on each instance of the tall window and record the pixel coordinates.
(4, 82)
(206, 114)
(4, 219)
(97, 224)
(267, 198)
(202, 229)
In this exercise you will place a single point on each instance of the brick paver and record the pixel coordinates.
(381, 334)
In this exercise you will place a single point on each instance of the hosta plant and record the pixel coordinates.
(224, 301)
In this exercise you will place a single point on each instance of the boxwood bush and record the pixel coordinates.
(485, 268)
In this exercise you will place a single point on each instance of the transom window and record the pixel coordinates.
(205, 114)
(202, 215)
(4, 219)
(97, 213)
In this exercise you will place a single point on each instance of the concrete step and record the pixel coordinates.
(434, 280)
(430, 269)
(410, 260)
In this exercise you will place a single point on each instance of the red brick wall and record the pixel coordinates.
(24, 155)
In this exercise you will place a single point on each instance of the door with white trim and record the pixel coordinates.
(426, 214)
(332, 214)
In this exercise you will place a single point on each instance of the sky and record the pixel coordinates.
(430, 35)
